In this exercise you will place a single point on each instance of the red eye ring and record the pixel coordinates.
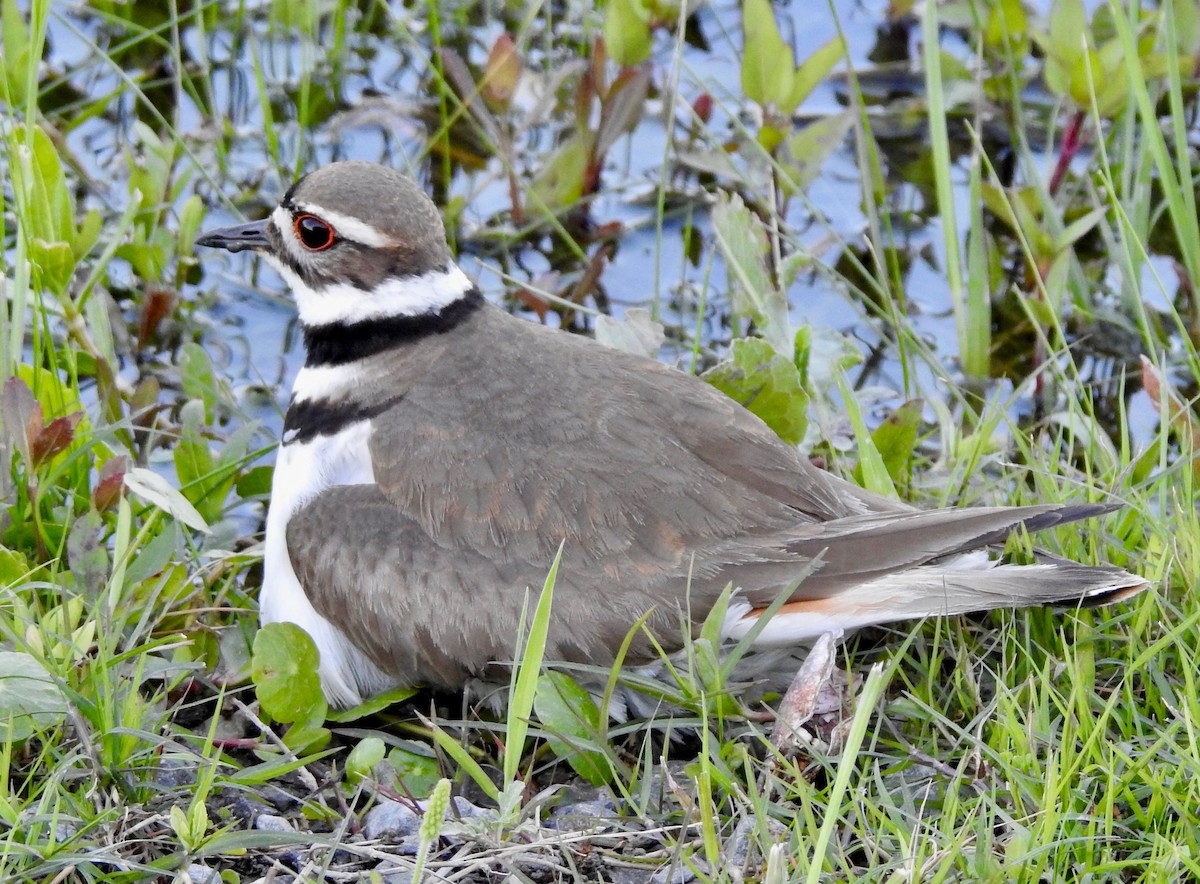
(314, 234)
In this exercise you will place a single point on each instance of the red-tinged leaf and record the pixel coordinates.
(111, 483)
(458, 75)
(22, 415)
(501, 74)
(533, 302)
(597, 72)
(623, 107)
(1180, 418)
(609, 230)
(54, 438)
(157, 304)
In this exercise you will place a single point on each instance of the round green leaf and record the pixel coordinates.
(284, 669)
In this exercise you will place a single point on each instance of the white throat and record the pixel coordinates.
(406, 296)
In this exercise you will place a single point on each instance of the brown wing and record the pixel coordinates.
(529, 436)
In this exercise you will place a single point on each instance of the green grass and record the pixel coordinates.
(1024, 746)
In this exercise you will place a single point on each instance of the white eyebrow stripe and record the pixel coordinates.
(347, 226)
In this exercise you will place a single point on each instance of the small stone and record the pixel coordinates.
(391, 821)
(463, 809)
(176, 773)
(65, 828)
(395, 875)
(582, 815)
(739, 845)
(199, 874)
(281, 798)
(245, 807)
(270, 823)
(673, 874)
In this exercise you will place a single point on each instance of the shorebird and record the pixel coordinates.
(437, 451)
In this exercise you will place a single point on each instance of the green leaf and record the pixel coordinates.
(154, 557)
(1079, 228)
(873, 473)
(193, 460)
(14, 568)
(40, 174)
(559, 184)
(627, 32)
(284, 668)
(1109, 79)
(1006, 31)
(814, 69)
(191, 216)
(89, 233)
(15, 41)
(206, 481)
(255, 482)
(87, 555)
(1068, 25)
(181, 826)
(706, 656)
(768, 75)
(566, 710)
(360, 763)
(307, 736)
(525, 676)
(1063, 44)
(809, 148)
(54, 263)
(767, 384)
(198, 377)
(30, 698)
(742, 239)
(896, 438)
(463, 758)
(416, 767)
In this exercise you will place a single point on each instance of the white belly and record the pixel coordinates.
(301, 471)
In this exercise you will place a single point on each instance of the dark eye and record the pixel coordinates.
(314, 233)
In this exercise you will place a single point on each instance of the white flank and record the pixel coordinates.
(407, 296)
(302, 471)
(347, 226)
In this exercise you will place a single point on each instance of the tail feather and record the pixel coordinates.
(938, 591)
(860, 549)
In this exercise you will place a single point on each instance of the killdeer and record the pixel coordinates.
(437, 451)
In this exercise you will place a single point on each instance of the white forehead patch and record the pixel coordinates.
(282, 219)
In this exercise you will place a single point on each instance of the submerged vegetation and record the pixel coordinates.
(952, 251)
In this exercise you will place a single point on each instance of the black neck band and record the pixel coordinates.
(308, 419)
(339, 343)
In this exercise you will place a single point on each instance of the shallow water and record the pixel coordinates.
(371, 103)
